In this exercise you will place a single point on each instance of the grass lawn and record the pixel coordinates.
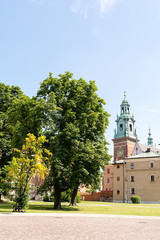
(90, 208)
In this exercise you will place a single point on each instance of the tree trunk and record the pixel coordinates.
(57, 198)
(74, 197)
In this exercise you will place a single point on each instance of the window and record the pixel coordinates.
(108, 181)
(132, 190)
(121, 127)
(132, 165)
(130, 127)
(152, 178)
(118, 178)
(118, 192)
(108, 170)
(132, 178)
(118, 166)
(151, 164)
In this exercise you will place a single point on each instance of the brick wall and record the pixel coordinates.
(97, 196)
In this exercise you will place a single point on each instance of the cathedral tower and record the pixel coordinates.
(150, 139)
(125, 135)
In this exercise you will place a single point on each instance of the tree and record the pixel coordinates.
(32, 160)
(75, 130)
(7, 96)
(25, 116)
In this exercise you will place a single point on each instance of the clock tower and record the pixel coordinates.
(125, 135)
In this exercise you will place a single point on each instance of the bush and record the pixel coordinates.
(136, 199)
(65, 196)
(78, 197)
(51, 198)
(46, 198)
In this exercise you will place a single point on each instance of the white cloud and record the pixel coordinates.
(83, 6)
(105, 5)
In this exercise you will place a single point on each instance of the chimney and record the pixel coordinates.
(148, 150)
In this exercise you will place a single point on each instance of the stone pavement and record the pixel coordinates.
(59, 226)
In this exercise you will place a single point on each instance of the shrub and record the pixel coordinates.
(46, 198)
(78, 197)
(65, 196)
(51, 198)
(136, 199)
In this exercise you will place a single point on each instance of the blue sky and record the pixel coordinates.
(114, 42)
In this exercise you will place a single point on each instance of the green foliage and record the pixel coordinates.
(32, 160)
(78, 197)
(136, 199)
(66, 196)
(25, 116)
(76, 122)
(46, 198)
(7, 96)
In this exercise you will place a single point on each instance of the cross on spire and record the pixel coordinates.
(124, 94)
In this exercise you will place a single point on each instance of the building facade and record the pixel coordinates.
(136, 167)
(137, 175)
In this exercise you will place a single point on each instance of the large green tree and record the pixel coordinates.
(7, 96)
(25, 116)
(76, 124)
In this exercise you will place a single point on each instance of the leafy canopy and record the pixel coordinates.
(32, 160)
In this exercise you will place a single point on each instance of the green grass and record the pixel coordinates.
(90, 208)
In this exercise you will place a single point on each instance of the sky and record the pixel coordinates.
(114, 42)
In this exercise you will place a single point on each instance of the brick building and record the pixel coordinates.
(136, 167)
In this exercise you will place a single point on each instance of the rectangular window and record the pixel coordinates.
(108, 170)
(118, 166)
(151, 164)
(130, 127)
(132, 178)
(118, 192)
(108, 181)
(132, 165)
(152, 178)
(121, 127)
(132, 190)
(118, 178)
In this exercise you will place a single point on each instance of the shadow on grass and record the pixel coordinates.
(50, 207)
(6, 206)
(9, 206)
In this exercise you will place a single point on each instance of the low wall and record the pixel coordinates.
(98, 196)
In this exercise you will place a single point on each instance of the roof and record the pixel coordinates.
(145, 155)
(144, 148)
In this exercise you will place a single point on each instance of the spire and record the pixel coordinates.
(125, 122)
(125, 105)
(149, 139)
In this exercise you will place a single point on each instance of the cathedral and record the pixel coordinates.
(136, 167)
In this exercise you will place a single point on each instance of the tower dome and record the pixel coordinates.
(125, 122)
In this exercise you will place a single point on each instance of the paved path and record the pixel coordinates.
(59, 226)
